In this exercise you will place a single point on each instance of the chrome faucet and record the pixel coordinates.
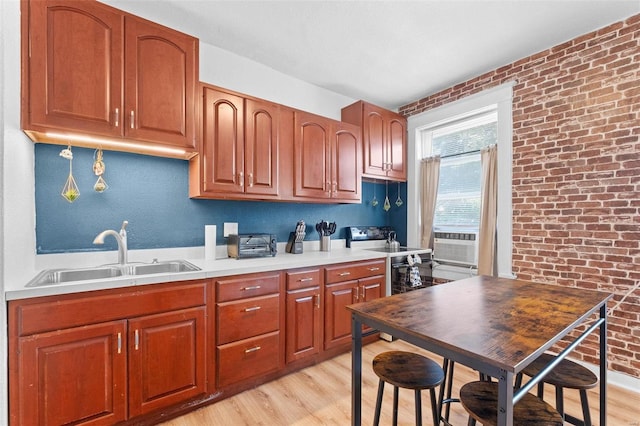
(121, 238)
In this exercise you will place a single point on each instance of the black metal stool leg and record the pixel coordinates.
(376, 419)
(560, 401)
(418, 408)
(585, 407)
(395, 406)
(434, 408)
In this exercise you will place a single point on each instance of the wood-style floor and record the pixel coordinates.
(321, 395)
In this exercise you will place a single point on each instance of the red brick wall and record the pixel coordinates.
(576, 172)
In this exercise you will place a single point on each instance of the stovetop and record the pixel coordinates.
(400, 250)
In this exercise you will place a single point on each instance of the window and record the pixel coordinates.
(459, 144)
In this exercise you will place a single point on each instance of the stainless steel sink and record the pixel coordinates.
(172, 266)
(59, 276)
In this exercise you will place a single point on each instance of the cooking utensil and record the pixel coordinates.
(392, 244)
(399, 201)
(386, 205)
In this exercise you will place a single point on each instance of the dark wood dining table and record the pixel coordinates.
(496, 326)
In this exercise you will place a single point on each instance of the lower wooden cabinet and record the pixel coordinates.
(304, 314)
(104, 357)
(346, 284)
(249, 315)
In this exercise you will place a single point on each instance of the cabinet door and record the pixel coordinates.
(166, 359)
(223, 142)
(369, 289)
(74, 376)
(374, 140)
(337, 327)
(312, 144)
(397, 147)
(346, 160)
(160, 84)
(75, 68)
(303, 323)
(261, 147)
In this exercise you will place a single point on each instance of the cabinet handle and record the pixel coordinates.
(253, 349)
(132, 119)
(364, 294)
(304, 280)
(241, 178)
(117, 117)
(344, 274)
(119, 343)
(374, 269)
(251, 180)
(136, 340)
(318, 301)
(357, 294)
(251, 287)
(327, 187)
(254, 308)
(334, 187)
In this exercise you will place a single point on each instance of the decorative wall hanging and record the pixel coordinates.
(98, 170)
(70, 191)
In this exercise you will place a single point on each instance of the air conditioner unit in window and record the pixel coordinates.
(456, 247)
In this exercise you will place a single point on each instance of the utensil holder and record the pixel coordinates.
(325, 243)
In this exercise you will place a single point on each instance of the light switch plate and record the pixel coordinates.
(230, 228)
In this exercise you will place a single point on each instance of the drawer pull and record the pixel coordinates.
(374, 269)
(344, 274)
(251, 287)
(304, 280)
(119, 343)
(254, 308)
(253, 349)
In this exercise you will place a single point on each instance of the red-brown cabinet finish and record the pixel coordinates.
(73, 376)
(239, 154)
(346, 284)
(304, 309)
(384, 140)
(93, 70)
(327, 158)
(166, 359)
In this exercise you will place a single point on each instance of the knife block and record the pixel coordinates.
(293, 246)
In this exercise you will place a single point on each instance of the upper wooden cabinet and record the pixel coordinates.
(90, 70)
(384, 140)
(327, 158)
(240, 147)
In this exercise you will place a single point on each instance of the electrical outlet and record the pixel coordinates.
(230, 228)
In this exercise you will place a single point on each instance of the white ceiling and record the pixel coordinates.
(386, 52)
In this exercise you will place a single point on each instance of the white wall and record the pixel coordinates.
(17, 204)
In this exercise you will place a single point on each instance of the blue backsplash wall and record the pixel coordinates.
(152, 194)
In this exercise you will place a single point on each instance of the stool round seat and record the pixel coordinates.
(480, 399)
(410, 371)
(566, 374)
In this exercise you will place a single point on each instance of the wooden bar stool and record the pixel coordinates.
(567, 374)
(410, 371)
(480, 399)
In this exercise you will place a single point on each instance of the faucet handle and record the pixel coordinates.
(124, 225)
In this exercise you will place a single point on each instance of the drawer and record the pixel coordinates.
(251, 285)
(303, 279)
(354, 271)
(248, 358)
(247, 318)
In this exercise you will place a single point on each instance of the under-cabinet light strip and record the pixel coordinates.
(116, 144)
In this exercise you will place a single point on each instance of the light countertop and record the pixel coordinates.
(210, 268)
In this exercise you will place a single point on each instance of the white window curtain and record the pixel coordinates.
(429, 177)
(488, 211)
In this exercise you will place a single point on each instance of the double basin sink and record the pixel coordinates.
(59, 276)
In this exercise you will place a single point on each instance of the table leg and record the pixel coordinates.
(356, 371)
(603, 365)
(505, 398)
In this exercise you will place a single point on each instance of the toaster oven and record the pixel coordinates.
(243, 246)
